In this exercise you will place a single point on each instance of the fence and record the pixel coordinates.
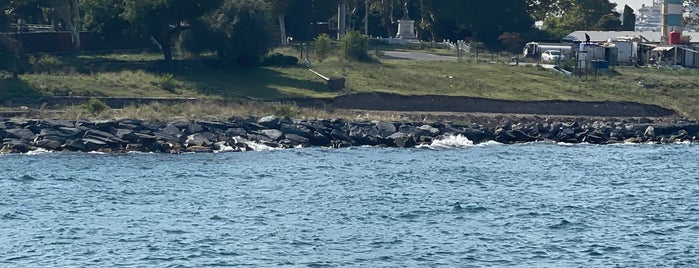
(40, 42)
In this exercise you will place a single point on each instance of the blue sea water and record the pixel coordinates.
(527, 205)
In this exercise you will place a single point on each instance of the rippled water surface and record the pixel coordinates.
(532, 205)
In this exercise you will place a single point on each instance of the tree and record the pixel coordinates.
(237, 30)
(580, 15)
(164, 20)
(608, 22)
(629, 23)
(68, 12)
(486, 20)
(104, 17)
(279, 8)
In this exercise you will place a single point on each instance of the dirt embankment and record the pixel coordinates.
(434, 103)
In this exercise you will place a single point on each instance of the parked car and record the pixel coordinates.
(552, 56)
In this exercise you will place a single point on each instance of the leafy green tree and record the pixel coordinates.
(486, 20)
(164, 20)
(237, 30)
(609, 22)
(104, 17)
(577, 15)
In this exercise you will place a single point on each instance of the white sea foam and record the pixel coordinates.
(39, 151)
(451, 142)
(257, 147)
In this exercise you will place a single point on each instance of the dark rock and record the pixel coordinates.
(427, 130)
(271, 121)
(407, 128)
(400, 139)
(20, 133)
(385, 128)
(521, 136)
(232, 132)
(171, 130)
(362, 134)
(340, 134)
(199, 139)
(214, 126)
(75, 145)
(193, 128)
(293, 140)
(14, 147)
(92, 145)
(297, 129)
(49, 144)
(259, 138)
(145, 139)
(478, 135)
(105, 126)
(125, 134)
(320, 139)
(134, 147)
(57, 123)
(253, 127)
(273, 134)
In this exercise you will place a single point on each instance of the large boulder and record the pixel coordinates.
(297, 129)
(20, 133)
(15, 146)
(385, 128)
(271, 121)
(362, 134)
(200, 139)
(293, 140)
(273, 134)
(400, 139)
(50, 144)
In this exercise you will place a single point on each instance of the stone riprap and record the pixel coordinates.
(239, 134)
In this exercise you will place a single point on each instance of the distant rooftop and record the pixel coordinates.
(603, 36)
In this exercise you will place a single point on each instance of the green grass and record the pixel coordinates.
(132, 75)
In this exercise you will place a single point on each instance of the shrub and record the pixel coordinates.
(44, 63)
(167, 82)
(323, 46)
(95, 106)
(278, 59)
(356, 46)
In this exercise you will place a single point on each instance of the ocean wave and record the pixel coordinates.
(450, 142)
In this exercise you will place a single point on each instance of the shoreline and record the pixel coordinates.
(236, 134)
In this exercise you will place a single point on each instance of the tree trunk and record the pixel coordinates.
(282, 29)
(69, 15)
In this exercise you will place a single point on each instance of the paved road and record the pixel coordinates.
(418, 56)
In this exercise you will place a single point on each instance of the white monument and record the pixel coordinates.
(406, 26)
(406, 29)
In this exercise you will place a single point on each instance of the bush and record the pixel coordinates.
(44, 63)
(356, 46)
(167, 82)
(278, 59)
(95, 106)
(323, 46)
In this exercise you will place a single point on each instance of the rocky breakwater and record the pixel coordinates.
(244, 134)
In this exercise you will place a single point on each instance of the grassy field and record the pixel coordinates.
(136, 75)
